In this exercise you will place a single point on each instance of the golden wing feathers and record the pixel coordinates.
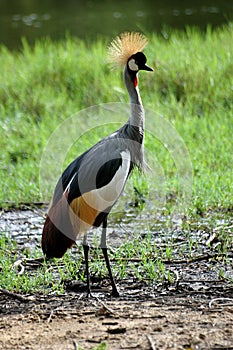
(124, 46)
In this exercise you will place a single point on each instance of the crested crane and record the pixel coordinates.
(93, 182)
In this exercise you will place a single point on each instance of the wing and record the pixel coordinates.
(93, 182)
(66, 178)
(96, 167)
(85, 193)
(96, 170)
(95, 198)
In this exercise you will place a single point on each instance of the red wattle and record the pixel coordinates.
(135, 82)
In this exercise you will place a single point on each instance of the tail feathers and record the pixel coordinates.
(54, 242)
(58, 234)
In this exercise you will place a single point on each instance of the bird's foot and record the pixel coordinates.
(89, 294)
(115, 293)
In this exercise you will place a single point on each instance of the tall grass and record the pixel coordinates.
(192, 87)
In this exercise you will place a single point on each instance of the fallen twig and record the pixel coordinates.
(221, 299)
(197, 258)
(17, 296)
(177, 278)
(21, 263)
(37, 261)
(23, 205)
(211, 239)
(18, 264)
(177, 261)
(152, 345)
(50, 316)
(76, 346)
(105, 306)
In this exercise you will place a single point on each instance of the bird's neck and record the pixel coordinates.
(137, 111)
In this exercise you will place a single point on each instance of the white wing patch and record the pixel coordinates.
(68, 186)
(104, 197)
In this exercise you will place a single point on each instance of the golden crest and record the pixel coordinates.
(124, 46)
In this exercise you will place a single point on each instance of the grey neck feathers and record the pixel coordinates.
(137, 112)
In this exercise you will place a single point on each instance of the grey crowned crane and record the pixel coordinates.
(93, 182)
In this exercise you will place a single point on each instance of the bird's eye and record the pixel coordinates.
(133, 65)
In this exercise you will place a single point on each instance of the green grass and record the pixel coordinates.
(192, 88)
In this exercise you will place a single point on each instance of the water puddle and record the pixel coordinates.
(25, 226)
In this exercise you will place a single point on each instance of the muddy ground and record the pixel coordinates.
(177, 320)
(193, 313)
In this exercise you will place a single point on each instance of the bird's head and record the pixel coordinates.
(126, 50)
(138, 62)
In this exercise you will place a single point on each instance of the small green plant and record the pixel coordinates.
(101, 346)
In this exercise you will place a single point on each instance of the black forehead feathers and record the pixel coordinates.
(140, 58)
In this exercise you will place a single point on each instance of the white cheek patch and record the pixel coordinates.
(132, 65)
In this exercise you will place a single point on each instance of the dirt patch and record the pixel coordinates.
(173, 321)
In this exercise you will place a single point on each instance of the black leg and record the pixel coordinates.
(86, 250)
(105, 252)
(114, 288)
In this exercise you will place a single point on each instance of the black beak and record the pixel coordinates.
(145, 67)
